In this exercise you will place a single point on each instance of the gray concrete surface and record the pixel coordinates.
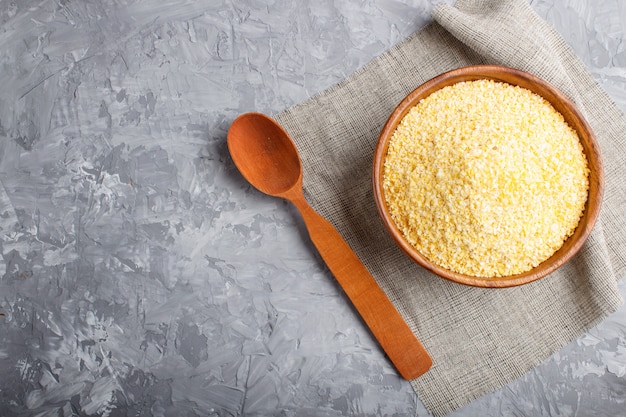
(140, 275)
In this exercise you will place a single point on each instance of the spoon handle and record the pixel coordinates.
(395, 337)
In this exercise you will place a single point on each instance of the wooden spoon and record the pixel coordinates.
(269, 160)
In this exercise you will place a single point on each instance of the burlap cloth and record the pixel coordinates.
(479, 339)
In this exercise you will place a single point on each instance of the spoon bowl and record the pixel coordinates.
(267, 157)
(264, 154)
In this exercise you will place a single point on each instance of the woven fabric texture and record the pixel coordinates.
(479, 339)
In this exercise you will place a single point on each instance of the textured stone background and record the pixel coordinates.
(141, 275)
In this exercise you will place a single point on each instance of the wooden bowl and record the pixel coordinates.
(572, 116)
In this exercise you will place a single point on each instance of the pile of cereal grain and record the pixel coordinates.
(485, 178)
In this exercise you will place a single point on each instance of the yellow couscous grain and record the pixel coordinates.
(485, 178)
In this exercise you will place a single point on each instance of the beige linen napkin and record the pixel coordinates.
(480, 339)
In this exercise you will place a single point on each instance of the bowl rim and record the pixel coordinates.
(572, 116)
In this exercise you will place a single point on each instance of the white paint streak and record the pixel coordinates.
(99, 399)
